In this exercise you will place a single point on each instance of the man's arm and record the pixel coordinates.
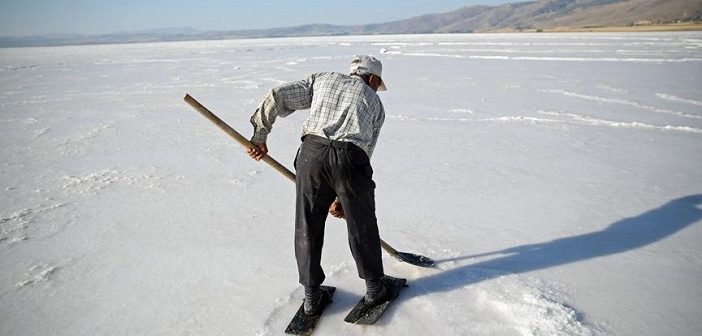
(335, 209)
(280, 101)
(377, 125)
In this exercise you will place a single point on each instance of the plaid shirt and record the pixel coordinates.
(342, 108)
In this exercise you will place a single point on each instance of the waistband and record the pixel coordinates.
(327, 142)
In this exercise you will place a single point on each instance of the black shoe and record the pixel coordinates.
(315, 303)
(380, 296)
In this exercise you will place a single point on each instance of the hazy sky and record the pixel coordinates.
(30, 17)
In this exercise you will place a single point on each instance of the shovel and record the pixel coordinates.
(409, 258)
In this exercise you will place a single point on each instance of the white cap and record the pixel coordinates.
(364, 64)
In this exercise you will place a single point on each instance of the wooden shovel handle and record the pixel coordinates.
(237, 136)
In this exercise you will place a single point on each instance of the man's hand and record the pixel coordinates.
(336, 210)
(258, 151)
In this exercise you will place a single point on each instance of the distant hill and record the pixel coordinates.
(544, 14)
(535, 15)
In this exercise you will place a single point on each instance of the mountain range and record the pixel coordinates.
(532, 16)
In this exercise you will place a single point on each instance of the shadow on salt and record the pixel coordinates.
(622, 236)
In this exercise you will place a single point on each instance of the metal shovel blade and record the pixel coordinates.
(414, 259)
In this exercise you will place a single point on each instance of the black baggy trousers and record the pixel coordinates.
(327, 169)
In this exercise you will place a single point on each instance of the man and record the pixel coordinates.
(333, 169)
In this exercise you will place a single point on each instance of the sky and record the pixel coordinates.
(36, 17)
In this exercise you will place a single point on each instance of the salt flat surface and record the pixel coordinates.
(556, 179)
